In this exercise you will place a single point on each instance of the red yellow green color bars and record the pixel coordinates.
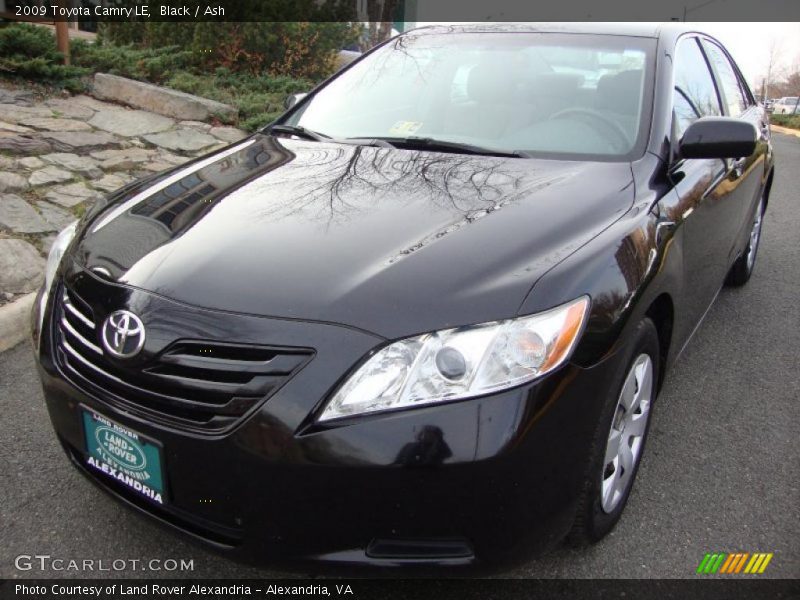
(737, 562)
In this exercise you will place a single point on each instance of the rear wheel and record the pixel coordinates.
(742, 269)
(619, 440)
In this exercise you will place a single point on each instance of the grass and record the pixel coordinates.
(790, 121)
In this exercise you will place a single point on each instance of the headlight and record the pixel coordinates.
(460, 363)
(53, 261)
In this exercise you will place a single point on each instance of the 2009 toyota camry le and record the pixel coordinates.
(423, 317)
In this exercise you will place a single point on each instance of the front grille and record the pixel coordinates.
(194, 384)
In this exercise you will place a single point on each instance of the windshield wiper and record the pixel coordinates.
(423, 143)
(367, 141)
(426, 143)
(301, 132)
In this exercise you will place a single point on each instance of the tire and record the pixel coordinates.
(602, 500)
(742, 269)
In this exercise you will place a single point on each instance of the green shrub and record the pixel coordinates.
(28, 51)
(27, 39)
(146, 64)
(253, 67)
(124, 33)
(299, 49)
(149, 34)
(258, 98)
(259, 120)
(791, 121)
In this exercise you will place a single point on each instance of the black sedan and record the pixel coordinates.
(423, 318)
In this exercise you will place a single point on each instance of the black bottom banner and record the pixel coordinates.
(387, 589)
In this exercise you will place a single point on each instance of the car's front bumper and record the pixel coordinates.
(477, 482)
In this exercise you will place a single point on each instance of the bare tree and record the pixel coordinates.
(773, 56)
(786, 80)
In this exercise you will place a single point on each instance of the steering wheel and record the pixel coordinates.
(598, 117)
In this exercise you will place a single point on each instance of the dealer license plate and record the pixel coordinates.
(124, 455)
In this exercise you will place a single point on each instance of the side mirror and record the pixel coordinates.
(293, 99)
(719, 137)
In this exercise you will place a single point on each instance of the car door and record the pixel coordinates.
(705, 186)
(746, 173)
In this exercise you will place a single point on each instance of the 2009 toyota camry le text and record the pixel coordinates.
(423, 318)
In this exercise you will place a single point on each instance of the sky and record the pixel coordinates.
(749, 44)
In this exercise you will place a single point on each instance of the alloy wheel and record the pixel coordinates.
(755, 234)
(626, 436)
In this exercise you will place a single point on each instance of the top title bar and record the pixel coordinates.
(407, 11)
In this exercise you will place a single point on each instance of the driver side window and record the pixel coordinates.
(683, 112)
(695, 94)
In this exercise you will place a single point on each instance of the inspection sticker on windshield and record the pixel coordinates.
(124, 455)
(404, 128)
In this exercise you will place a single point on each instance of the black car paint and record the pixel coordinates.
(344, 234)
(652, 237)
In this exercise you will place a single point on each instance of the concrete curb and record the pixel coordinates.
(15, 320)
(786, 130)
(160, 100)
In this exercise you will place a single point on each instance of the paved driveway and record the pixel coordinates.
(721, 472)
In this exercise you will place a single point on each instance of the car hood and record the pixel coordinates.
(391, 241)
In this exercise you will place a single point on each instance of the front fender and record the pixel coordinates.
(624, 270)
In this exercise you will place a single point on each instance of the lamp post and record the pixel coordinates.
(687, 10)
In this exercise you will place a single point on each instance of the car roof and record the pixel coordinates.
(634, 29)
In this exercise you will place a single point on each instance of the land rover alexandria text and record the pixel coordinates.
(171, 590)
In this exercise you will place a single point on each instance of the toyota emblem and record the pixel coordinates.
(123, 334)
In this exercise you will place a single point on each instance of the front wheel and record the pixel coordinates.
(742, 269)
(619, 440)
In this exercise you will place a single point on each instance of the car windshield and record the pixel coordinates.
(551, 94)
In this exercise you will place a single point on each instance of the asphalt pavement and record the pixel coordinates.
(721, 472)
